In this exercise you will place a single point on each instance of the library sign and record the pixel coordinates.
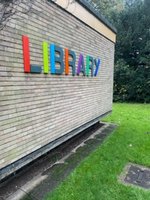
(57, 55)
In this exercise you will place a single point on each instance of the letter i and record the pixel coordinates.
(45, 57)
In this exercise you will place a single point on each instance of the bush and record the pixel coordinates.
(131, 85)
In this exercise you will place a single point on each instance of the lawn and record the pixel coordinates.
(97, 176)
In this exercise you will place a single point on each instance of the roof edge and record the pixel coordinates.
(97, 14)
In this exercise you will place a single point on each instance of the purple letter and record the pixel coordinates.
(81, 66)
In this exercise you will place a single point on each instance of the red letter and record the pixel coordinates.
(26, 53)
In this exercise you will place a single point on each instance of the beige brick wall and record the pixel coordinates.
(38, 108)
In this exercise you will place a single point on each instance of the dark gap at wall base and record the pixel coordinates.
(14, 167)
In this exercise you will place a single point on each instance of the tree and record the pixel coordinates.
(133, 48)
(9, 8)
(107, 7)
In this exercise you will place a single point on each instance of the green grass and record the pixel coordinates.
(97, 176)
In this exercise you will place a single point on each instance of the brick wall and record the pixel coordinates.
(35, 109)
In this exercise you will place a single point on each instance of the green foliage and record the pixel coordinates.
(107, 7)
(131, 84)
(132, 67)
